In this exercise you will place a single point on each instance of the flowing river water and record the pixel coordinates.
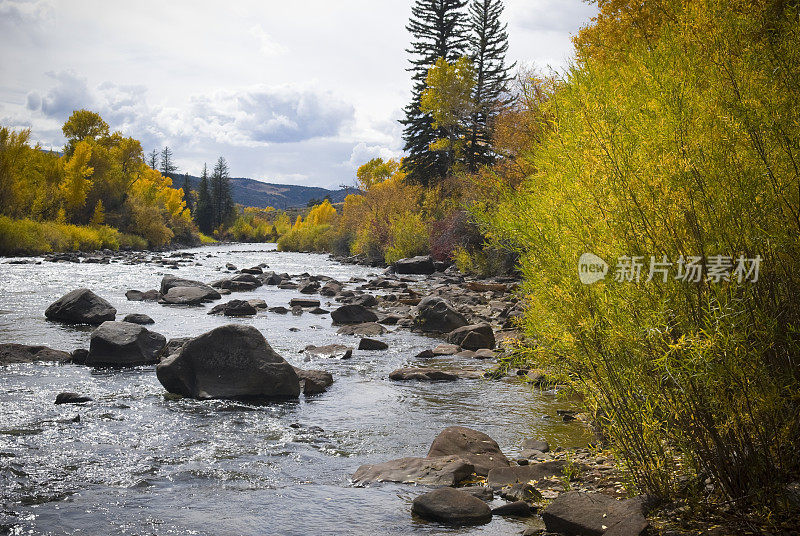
(137, 462)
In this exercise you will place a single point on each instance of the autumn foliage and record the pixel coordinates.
(100, 180)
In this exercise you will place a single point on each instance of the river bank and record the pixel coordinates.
(164, 456)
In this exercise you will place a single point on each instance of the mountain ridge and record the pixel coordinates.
(254, 193)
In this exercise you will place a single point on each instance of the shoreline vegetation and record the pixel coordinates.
(672, 138)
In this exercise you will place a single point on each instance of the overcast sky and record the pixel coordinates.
(299, 92)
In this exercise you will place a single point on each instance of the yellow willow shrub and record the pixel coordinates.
(27, 237)
(408, 237)
(368, 217)
(685, 145)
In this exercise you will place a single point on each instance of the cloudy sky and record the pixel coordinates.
(298, 92)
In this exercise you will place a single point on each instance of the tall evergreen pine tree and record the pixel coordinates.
(204, 211)
(168, 166)
(488, 45)
(152, 159)
(187, 193)
(437, 27)
(221, 193)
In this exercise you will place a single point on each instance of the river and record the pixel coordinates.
(138, 462)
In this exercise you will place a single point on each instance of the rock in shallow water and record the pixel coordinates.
(353, 314)
(138, 318)
(435, 315)
(438, 471)
(123, 344)
(450, 505)
(71, 398)
(81, 306)
(473, 337)
(478, 448)
(22, 353)
(429, 374)
(232, 361)
(372, 344)
(314, 381)
(170, 281)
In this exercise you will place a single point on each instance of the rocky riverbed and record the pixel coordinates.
(372, 388)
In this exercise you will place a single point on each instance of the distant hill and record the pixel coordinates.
(253, 193)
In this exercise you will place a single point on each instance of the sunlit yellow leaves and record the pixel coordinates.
(76, 169)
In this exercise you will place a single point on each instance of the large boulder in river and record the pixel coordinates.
(353, 314)
(476, 447)
(473, 337)
(415, 265)
(449, 505)
(22, 353)
(435, 315)
(123, 344)
(439, 471)
(232, 361)
(171, 281)
(81, 306)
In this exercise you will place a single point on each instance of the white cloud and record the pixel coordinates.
(303, 91)
(267, 45)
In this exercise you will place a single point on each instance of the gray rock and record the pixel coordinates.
(521, 491)
(72, 398)
(446, 349)
(314, 381)
(258, 304)
(594, 514)
(188, 296)
(81, 306)
(369, 329)
(138, 295)
(449, 505)
(173, 345)
(170, 281)
(331, 288)
(303, 302)
(435, 315)
(138, 318)
(232, 361)
(479, 449)
(330, 350)
(429, 374)
(507, 476)
(372, 344)
(442, 471)
(318, 311)
(483, 353)
(353, 314)
(473, 337)
(481, 492)
(122, 344)
(415, 265)
(536, 444)
(310, 287)
(516, 508)
(279, 310)
(11, 353)
(234, 308)
(364, 300)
